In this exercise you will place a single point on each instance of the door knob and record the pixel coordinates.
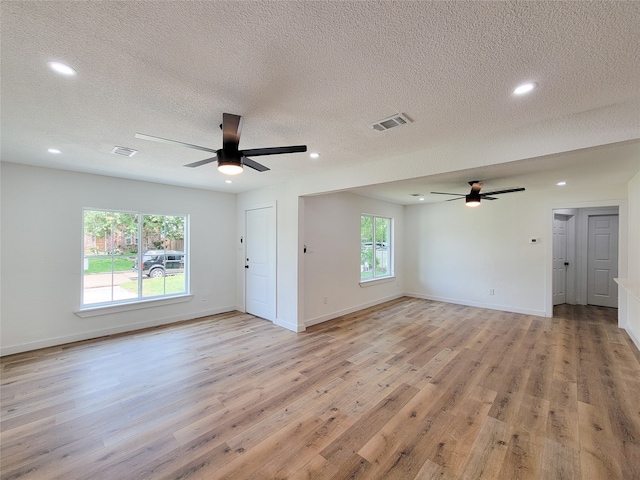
(246, 266)
(566, 264)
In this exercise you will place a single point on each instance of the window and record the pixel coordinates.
(119, 269)
(375, 247)
(130, 239)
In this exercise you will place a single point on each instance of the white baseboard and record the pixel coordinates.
(52, 342)
(346, 311)
(468, 303)
(633, 337)
(289, 326)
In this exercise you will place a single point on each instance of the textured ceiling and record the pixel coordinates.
(316, 73)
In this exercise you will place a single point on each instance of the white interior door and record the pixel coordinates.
(602, 261)
(260, 262)
(560, 259)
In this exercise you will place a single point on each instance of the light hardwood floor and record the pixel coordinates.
(408, 389)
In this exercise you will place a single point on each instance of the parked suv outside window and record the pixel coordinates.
(158, 263)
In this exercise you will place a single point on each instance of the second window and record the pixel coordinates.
(375, 247)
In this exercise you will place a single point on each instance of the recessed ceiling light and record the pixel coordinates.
(228, 181)
(54, 150)
(61, 68)
(561, 184)
(314, 155)
(524, 88)
(422, 199)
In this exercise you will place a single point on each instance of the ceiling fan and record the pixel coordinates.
(474, 197)
(230, 158)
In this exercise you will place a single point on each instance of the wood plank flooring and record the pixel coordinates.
(411, 389)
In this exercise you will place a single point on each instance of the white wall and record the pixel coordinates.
(631, 319)
(331, 266)
(42, 245)
(457, 254)
(299, 221)
(451, 253)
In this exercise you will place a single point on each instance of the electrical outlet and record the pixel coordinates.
(492, 291)
(205, 298)
(325, 300)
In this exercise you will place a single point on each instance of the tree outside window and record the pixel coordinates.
(375, 247)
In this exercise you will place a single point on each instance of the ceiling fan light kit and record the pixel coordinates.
(231, 160)
(472, 200)
(229, 168)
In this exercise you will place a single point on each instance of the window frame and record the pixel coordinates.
(140, 301)
(390, 245)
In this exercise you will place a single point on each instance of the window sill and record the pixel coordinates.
(376, 281)
(126, 307)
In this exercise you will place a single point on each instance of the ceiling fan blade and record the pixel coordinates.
(454, 199)
(483, 197)
(173, 142)
(506, 190)
(247, 162)
(202, 162)
(445, 193)
(231, 129)
(256, 152)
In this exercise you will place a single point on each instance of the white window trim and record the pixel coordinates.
(374, 281)
(88, 312)
(392, 274)
(92, 310)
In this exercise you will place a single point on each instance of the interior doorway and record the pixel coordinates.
(563, 249)
(585, 256)
(602, 260)
(260, 262)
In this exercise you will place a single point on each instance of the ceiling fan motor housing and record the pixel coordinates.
(473, 197)
(229, 155)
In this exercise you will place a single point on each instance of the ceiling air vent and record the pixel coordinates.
(390, 122)
(124, 151)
